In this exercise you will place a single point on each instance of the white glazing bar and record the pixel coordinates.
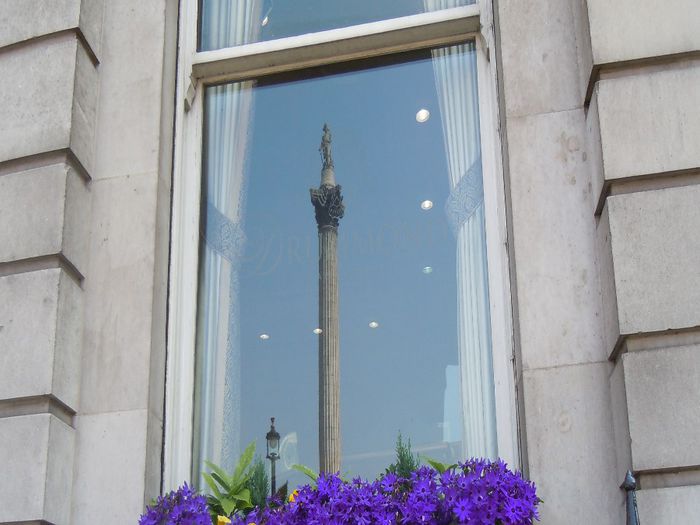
(182, 296)
(374, 39)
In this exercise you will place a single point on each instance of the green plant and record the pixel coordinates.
(406, 461)
(230, 494)
(439, 466)
(258, 483)
(312, 475)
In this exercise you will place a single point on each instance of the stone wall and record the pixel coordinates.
(644, 129)
(85, 151)
(566, 417)
(601, 132)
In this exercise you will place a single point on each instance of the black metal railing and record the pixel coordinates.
(630, 487)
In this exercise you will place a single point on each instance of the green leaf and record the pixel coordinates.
(439, 466)
(228, 505)
(212, 484)
(214, 505)
(306, 470)
(243, 463)
(258, 483)
(221, 472)
(243, 499)
(406, 461)
(223, 482)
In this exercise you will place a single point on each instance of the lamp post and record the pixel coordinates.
(273, 452)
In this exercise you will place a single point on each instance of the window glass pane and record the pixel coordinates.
(226, 23)
(408, 256)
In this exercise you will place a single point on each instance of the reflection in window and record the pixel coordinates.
(414, 334)
(227, 23)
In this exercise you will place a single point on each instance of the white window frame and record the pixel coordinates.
(196, 70)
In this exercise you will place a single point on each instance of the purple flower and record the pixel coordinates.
(477, 491)
(462, 509)
(180, 507)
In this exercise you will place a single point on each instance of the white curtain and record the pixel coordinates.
(456, 82)
(228, 114)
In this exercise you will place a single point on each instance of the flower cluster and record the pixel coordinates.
(180, 507)
(476, 492)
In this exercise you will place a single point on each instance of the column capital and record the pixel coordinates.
(328, 205)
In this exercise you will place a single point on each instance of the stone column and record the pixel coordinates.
(329, 208)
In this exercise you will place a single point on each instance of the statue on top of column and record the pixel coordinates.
(325, 147)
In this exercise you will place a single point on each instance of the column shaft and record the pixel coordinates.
(328, 351)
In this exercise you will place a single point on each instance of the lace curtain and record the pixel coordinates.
(456, 82)
(228, 116)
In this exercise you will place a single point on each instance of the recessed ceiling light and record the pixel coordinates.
(427, 269)
(264, 337)
(426, 205)
(373, 324)
(318, 331)
(423, 115)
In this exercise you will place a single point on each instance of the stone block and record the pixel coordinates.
(540, 55)
(55, 223)
(40, 335)
(594, 148)
(90, 23)
(606, 279)
(554, 235)
(583, 43)
(131, 89)
(620, 418)
(662, 388)
(84, 114)
(629, 29)
(37, 93)
(656, 255)
(27, 19)
(669, 506)
(649, 123)
(37, 459)
(48, 89)
(110, 452)
(119, 294)
(570, 443)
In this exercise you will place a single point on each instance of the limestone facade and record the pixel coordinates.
(85, 150)
(599, 132)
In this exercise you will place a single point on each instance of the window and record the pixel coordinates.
(415, 327)
(226, 24)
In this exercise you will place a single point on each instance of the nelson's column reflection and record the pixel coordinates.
(329, 208)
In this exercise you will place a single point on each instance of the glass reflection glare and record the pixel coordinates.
(422, 116)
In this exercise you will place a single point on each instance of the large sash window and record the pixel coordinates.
(421, 341)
